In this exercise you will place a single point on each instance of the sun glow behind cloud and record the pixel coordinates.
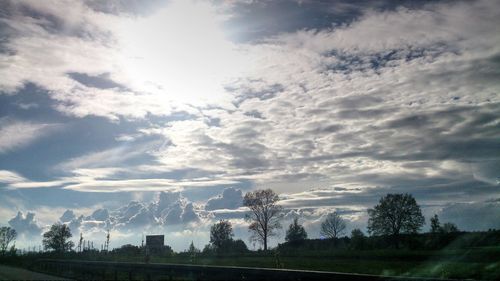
(180, 54)
(331, 116)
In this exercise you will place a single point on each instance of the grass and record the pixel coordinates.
(473, 263)
(476, 263)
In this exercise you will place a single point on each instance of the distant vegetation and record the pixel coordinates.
(221, 240)
(395, 245)
(7, 236)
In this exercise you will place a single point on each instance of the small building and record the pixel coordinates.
(155, 242)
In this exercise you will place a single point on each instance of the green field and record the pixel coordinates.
(479, 263)
(474, 263)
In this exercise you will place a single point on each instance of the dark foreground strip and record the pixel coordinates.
(82, 270)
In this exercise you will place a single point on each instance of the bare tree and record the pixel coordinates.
(333, 226)
(264, 215)
(7, 235)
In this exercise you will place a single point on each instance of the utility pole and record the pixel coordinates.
(80, 243)
(106, 245)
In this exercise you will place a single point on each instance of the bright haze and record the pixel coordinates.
(157, 117)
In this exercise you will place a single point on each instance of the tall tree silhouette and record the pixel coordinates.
(295, 232)
(221, 233)
(264, 215)
(395, 214)
(7, 235)
(435, 225)
(57, 238)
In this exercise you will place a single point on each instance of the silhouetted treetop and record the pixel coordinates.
(7, 235)
(449, 227)
(333, 226)
(220, 233)
(295, 232)
(57, 238)
(435, 225)
(395, 214)
(264, 215)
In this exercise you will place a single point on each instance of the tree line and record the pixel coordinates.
(394, 215)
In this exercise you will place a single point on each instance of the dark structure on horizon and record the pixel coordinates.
(155, 242)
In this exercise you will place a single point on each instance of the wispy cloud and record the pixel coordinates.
(150, 184)
(16, 134)
(13, 180)
(10, 177)
(394, 100)
(110, 157)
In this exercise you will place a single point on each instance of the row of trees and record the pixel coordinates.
(447, 227)
(395, 214)
(56, 239)
(265, 215)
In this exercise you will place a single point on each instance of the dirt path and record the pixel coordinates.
(15, 273)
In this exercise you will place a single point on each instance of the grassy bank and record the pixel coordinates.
(473, 263)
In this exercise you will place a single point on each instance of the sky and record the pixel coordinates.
(157, 117)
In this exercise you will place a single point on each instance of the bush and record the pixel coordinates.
(128, 250)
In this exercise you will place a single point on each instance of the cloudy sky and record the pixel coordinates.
(157, 117)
